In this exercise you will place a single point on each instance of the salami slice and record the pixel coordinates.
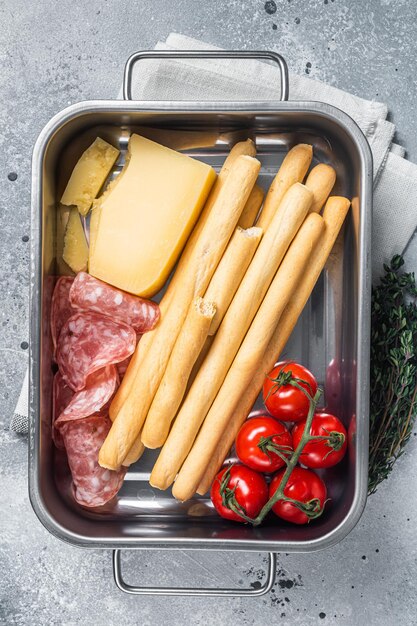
(98, 390)
(93, 485)
(61, 308)
(89, 293)
(62, 395)
(122, 367)
(88, 342)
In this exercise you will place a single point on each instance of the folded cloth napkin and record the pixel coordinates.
(395, 179)
(19, 421)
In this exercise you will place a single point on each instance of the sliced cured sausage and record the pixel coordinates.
(88, 342)
(62, 395)
(89, 293)
(61, 308)
(93, 485)
(99, 389)
(122, 367)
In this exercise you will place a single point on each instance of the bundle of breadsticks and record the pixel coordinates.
(243, 280)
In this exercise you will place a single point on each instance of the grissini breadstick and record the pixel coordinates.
(320, 181)
(293, 170)
(172, 387)
(202, 262)
(239, 316)
(243, 147)
(334, 215)
(135, 452)
(222, 288)
(249, 356)
(231, 270)
(251, 210)
(205, 350)
(137, 448)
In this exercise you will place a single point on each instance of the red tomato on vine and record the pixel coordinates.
(304, 496)
(239, 491)
(284, 391)
(263, 443)
(330, 446)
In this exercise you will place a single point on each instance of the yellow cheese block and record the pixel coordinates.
(75, 243)
(89, 174)
(146, 215)
(62, 217)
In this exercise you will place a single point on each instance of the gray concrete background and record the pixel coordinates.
(57, 53)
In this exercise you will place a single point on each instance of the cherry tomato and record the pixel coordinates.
(286, 402)
(238, 486)
(305, 487)
(258, 442)
(322, 452)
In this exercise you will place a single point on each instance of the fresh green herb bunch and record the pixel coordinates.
(393, 369)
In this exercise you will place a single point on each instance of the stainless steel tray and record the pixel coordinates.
(331, 338)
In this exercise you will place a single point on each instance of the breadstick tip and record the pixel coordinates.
(302, 147)
(252, 232)
(300, 188)
(204, 307)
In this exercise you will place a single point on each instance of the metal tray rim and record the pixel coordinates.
(359, 500)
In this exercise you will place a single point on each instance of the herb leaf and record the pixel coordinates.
(393, 390)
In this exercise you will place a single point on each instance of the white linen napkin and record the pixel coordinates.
(395, 178)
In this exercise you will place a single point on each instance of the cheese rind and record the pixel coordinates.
(75, 252)
(146, 215)
(89, 174)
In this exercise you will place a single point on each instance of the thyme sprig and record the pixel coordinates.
(393, 400)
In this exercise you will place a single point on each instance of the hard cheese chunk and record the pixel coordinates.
(89, 174)
(62, 217)
(144, 218)
(75, 244)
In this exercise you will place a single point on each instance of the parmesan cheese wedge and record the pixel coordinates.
(75, 252)
(89, 175)
(62, 217)
(146, 215)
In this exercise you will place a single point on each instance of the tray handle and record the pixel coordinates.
(263, 55)
(194, 591)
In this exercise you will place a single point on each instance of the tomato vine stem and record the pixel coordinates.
(292, 462)
(269, 447)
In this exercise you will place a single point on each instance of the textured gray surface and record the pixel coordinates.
(54, 54)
